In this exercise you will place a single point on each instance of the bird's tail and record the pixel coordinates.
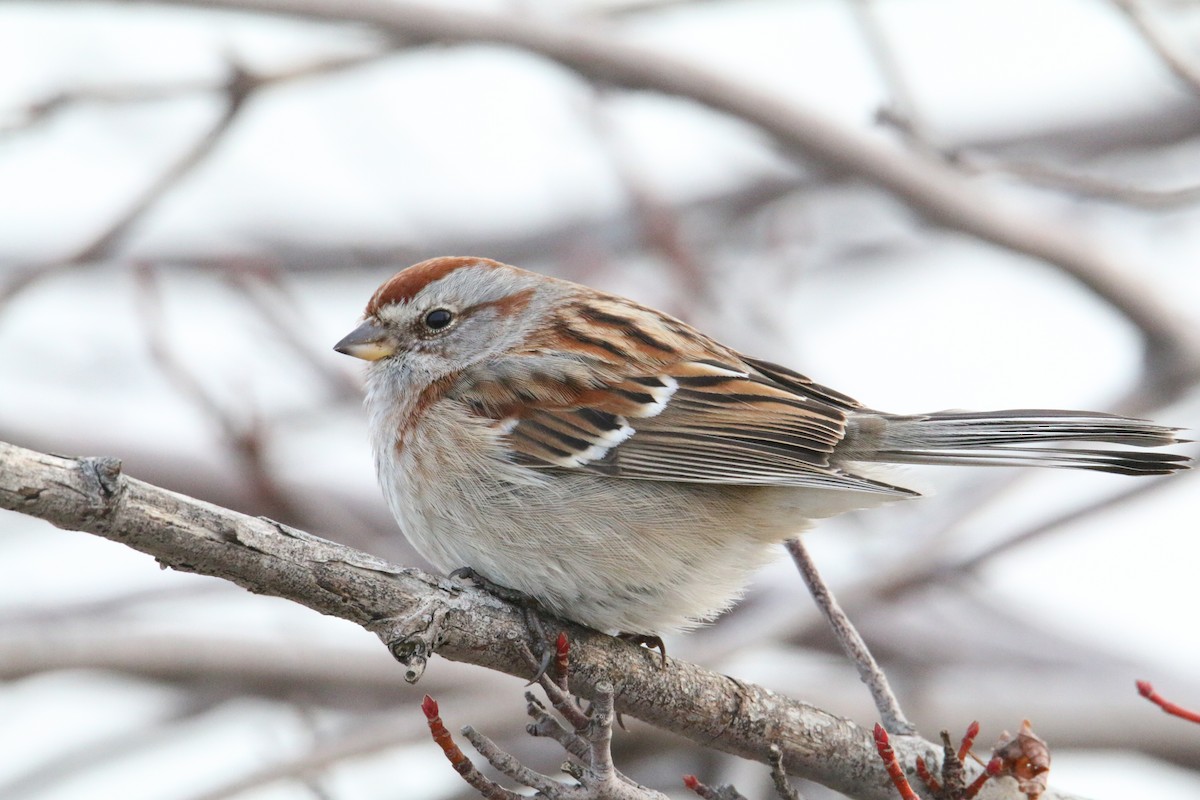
(1017, 437)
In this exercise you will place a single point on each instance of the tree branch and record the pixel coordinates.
(414, 614)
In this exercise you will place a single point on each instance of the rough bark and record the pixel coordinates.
(416, 614)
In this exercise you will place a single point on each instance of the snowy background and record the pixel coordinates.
(176, 267)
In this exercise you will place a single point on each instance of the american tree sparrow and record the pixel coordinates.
(624, 469)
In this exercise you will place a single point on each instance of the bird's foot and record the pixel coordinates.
(531, 609)
(647, 640)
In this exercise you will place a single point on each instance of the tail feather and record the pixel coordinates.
(1014, 438)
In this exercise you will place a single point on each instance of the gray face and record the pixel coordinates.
(462, 318)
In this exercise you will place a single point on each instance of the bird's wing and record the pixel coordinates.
(697, 420)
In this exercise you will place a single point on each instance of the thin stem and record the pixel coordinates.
(1170, 55)
(1147, 691)
(852, 643)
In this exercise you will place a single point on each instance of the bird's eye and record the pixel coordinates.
(437, 319)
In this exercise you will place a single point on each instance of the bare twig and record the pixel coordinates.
(925, 569)
(657, 223)
(237, 90)
(706, 792)
(40, 111)
(953, 785)
(904, 115)
(901, 104)
(508, 764)
(246, 440)
(1082, 185)
(852, 643)
(1147, 691)
(387, 726)
(779, 777)
(486, 787)
(1188, 75)
(583, 741)
(255, 283)
(971, 162)
(883, 745)
(596, 777)
(557, 689)
(546, 725)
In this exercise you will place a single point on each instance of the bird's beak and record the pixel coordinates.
(368, 341)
